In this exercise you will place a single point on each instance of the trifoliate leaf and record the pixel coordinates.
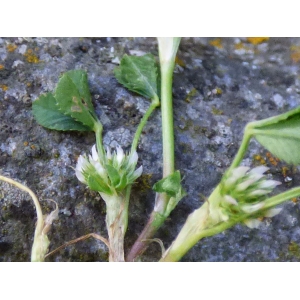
(170, 184)
(280, 135)
(47, 114)
(73, 97)
(139, 74)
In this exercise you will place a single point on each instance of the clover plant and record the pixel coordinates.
(242, 196)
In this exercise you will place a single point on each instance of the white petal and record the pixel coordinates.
(255, 177)
(259, 170)
(244, 185)
(224, 217)
(133, 158)
(239, 171)
(138, 172)
(108, 153)
(250, 208)
(95, 153)
(80, 176)
(259, 193)
(252, 223)
(235, 175)
(100, 169)
(230, 200)
(272, 212)
(120, 155)
(269, 184)
(81, 163)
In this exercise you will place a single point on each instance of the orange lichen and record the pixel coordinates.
(26, 144)
(216, 43)
(32, 147)
(11, 47)
(295, 200)
(3, 87)
(1, 67)
(257, 40)
(31, 57)
(295, 54)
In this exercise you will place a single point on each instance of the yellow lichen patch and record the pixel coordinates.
(11, 47)
(25, 143)
(179, 61)
(31, 57)
(217, 111)
(295, 53)
(240, 46)
(190, 94)
(1, 67)
(3, 87)
(216, 43)
(217, 91)
(257, 40)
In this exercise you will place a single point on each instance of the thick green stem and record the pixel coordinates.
(167, 63)
(167, 118)
(153, 105)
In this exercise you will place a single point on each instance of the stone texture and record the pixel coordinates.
(219, 86)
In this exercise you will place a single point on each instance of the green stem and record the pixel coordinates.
(167, 118)
(153, 105)
(157, 217)
(278, 199)
(98, 132)
(242, 150)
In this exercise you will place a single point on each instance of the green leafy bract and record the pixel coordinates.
(171, 185)
(280, 135)
(139, 74)
(47, 114)
(74, 99)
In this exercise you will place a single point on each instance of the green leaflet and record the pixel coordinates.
(74, 99)
(113, 175)
(47, 114)
(170, 184)
(139, 74)
(96, 184)
(280, 135)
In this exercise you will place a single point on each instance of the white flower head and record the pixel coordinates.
(108, 174)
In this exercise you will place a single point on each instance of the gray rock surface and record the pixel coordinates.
(219, 86)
